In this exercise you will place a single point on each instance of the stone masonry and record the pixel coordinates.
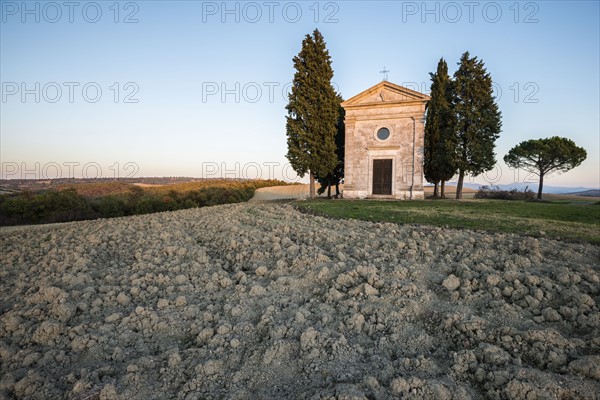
(402, 112)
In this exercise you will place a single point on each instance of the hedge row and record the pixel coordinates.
(67, 205)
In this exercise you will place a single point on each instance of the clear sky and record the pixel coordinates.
(197, 88)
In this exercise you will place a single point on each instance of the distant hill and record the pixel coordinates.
(534, 187)
(587, 193)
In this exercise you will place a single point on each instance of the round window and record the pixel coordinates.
(383, 133)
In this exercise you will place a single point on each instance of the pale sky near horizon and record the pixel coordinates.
(198, 88)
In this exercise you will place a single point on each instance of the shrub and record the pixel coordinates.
(44, 207)
(111, 206)
(67, 204)
(494, 192)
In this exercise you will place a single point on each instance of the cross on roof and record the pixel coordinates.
(385, 72)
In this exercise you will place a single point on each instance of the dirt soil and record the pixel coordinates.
(259, 301)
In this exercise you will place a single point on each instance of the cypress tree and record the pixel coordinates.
(337, 175)
(478, 121)
(440, 139)
(313, 111)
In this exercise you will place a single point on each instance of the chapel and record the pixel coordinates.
(384, 143)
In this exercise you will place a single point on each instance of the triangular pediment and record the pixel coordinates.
(385, 93)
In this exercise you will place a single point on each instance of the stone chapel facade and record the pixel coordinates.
(384, 143)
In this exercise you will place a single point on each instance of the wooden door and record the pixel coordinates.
(382, 177)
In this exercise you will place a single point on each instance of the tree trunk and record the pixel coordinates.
(337, 190)
(312, 185)
(329, 188)
(443, 189)
(540, 187)
(459, 185)
(435, 189)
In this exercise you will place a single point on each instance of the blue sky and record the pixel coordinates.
(193, 88)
